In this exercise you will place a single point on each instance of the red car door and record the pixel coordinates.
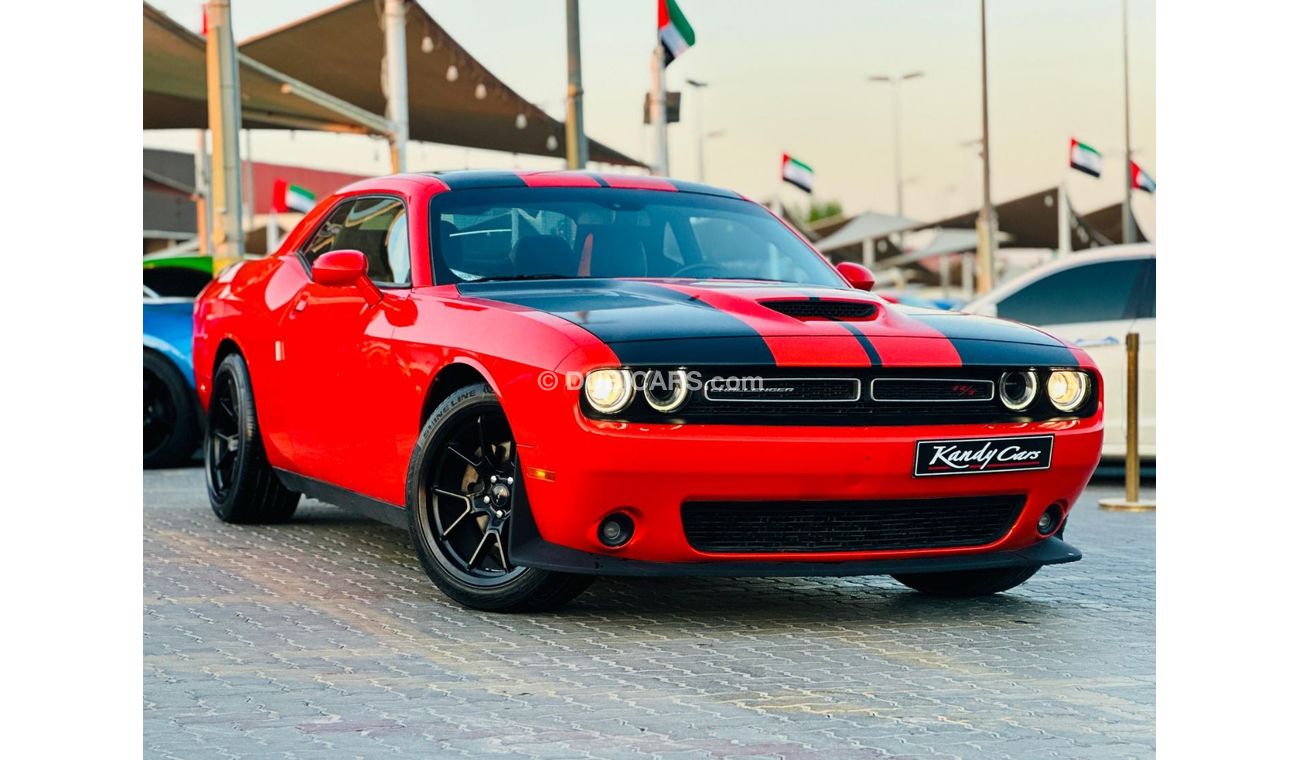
(334, 351)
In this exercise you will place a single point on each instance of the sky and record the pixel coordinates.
(792, 78)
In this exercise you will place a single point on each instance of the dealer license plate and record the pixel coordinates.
(973, 456)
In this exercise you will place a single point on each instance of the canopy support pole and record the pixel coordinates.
(223, 119)
(395, 80)
(575, 136)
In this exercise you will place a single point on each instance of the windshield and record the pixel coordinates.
(543, 233)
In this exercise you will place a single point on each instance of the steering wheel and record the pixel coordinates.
(703, 266)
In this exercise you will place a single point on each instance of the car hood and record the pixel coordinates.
(647, 321)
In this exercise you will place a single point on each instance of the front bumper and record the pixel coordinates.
(648, 471)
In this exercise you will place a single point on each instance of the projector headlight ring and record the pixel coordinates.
(667, 391)
(1018, 389)
(1068, 389)
(608, 390)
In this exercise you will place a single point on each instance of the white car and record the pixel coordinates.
(1093, 299)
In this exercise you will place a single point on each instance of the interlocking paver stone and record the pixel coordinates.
(322, 638)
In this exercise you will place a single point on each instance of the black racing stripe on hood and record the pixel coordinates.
(985, 341)
(469, 180)
(641, 322)
(864, 341)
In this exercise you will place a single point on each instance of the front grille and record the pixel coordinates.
(848, 526)
(913, 389)
(823, 309)
(777, 390)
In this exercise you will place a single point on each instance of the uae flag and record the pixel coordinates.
(675, 32)
(1085, 158)
(796, 173)
(1141, 180)
(287, 197)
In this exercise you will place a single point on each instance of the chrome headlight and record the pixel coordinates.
(1068, 389)
(608, 390)
(666, 391)
(1018, 389)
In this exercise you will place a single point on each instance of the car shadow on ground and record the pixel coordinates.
(718, 603)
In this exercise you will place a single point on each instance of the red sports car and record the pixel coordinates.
(550, 376)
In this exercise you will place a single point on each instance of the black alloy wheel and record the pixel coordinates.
(242, 486)
(171, 418)
(469, 499)
(463, 486)
(159, 413)
(223, 441)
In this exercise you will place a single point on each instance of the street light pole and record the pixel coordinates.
(987, 224)
(699, 125)
(897, 83)
(1130, 231)
(659, 111)
(575, 136)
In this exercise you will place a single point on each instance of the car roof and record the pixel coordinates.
(475, 179)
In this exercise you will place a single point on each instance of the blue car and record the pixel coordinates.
(172, 423)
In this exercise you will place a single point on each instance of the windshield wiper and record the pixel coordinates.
(507, 277)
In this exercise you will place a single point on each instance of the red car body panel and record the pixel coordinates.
(342, 380)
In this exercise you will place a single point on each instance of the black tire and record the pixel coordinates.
(967, 583)
(441, 477)
(171, 414)
(242, 487)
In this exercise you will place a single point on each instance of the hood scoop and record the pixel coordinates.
(824, 309)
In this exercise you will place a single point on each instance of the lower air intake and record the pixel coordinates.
(848, 526)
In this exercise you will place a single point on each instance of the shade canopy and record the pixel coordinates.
(863, 228)
(1107, 221)
(339, 52)
(176, 88)
(452, 98)
(1031, 221)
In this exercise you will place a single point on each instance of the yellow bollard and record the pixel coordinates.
(1131, 501)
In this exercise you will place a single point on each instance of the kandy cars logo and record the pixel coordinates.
(971, 456)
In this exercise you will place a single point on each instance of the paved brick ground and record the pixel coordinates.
(322, 638)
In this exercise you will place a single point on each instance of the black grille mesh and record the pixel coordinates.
(918, 389)
(830, 526)
(823, 309)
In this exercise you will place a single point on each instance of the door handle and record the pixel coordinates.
(1109, 340)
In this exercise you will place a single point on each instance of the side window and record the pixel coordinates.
(1146, 304)
(376, 227)
(1098, 292)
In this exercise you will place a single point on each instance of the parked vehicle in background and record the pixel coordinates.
(172, 425)
(1093, 300)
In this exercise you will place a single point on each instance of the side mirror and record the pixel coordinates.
(339, 268)
(858, 276)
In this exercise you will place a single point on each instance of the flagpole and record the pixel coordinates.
(1130, 231)
(658, 112)
(986, 225)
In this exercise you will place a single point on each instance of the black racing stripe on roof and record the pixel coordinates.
(468, 180)
(993, 342)
(599, 179)
(696, 187)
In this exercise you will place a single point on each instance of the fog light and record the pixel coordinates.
(616, 530)
(1049, 521)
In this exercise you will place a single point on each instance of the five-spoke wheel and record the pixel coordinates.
(463, 487)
